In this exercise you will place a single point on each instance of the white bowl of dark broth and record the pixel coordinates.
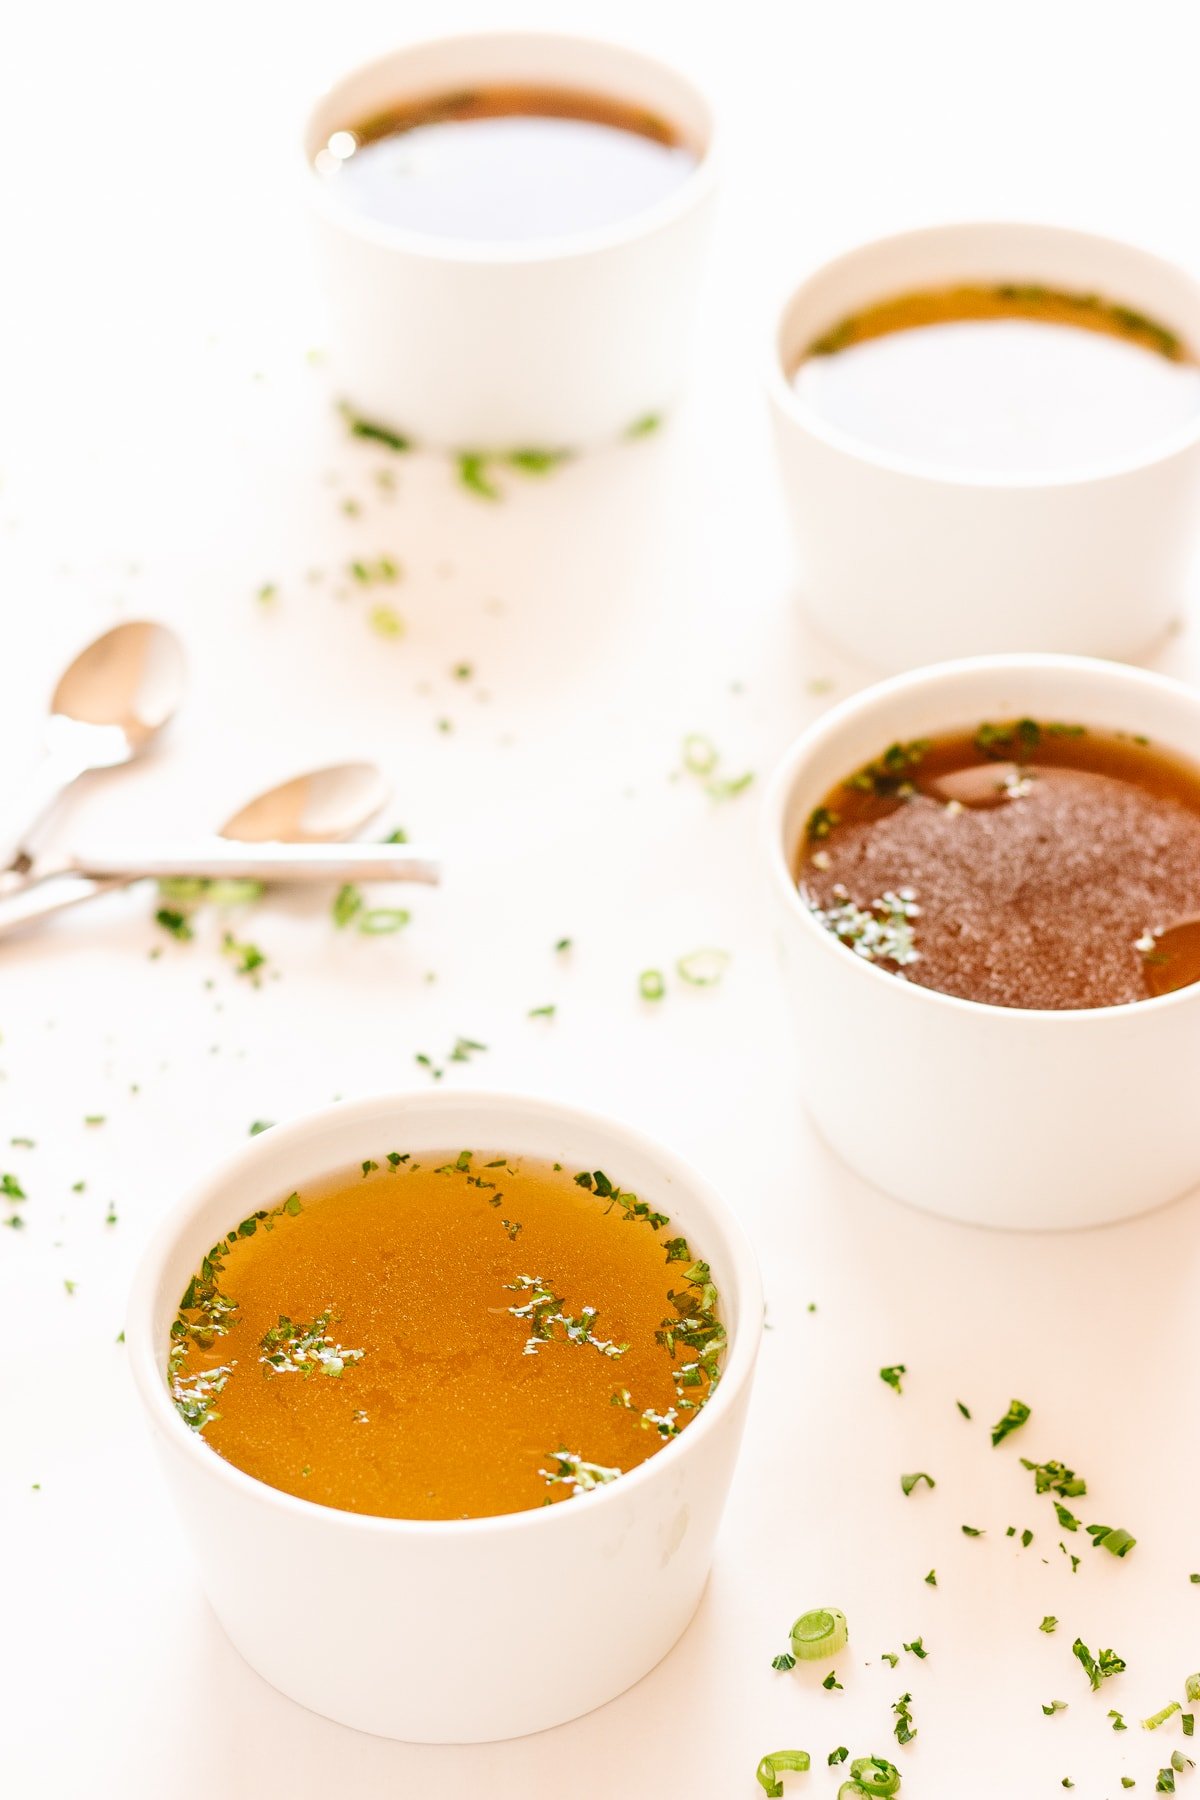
(510, 229)
(987, 888)
(989, 438)
(430, 1375)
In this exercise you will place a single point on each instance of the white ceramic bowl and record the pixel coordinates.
(452, 1631)
(990, 1114)
(901, 563)
(548, 344)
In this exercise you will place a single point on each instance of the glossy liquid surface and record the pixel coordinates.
(1025, 864)
(506, 164)
(361, 1345)
(1002, 381)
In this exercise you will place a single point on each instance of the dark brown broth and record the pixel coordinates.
(1028, 865)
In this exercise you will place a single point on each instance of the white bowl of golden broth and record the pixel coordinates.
(989, 441)
(439, 1303)
(510, 229)
(986, 878)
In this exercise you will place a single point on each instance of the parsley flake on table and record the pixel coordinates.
(931, 1578)
(917, 1649)
(1013, 1419)
(1055, 1706)
(972, 1530)
(1098, 1668)
(1049, 1623)
(893, 1375)
(904, 1728)
(909, 1482)
(831, 1681)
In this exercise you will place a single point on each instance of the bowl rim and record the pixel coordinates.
(365, 1112)
(497, 253)
(789, 404)
(789, 772)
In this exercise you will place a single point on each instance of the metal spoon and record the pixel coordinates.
(108, 707)
(333, 803)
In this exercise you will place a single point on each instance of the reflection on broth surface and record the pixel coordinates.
(454, 1337)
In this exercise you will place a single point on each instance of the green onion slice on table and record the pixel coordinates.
(780, 1762)
(822, 1632)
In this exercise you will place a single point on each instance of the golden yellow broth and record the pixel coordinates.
(407, 1386)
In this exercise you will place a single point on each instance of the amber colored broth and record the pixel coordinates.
(507, 163)
(459, 1419)
(1174, 960)
(1001, 381)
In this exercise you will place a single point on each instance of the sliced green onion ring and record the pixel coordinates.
(822, 1632)
(780, 1762)
(699, 754)
(702, 968)
(875, 1775)
(651, 985)
(1160, 1718)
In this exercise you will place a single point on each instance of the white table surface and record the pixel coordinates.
(167, 447)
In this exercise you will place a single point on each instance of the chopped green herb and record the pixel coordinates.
(821, 822)
(1117, 1719)
(904, 1728)
(783, 1661)
(837, 1756)
(1026, 1538)
(289, 1348)
(1160, 1718)
(11, 1188)
(972, 1531)
(889, 775)
(1191, 1687)
(176, 922)
(541, 1012)
(1055, 1478)
(917, 1649)
(1054, 1707)
(377, 434)
(386, 622)
(259, 1126)
(1099, 1667)
(562, 945)
(890, 1658)
(473, 474)
(1013, 1419)
(1066, 1517)
(1049, 1623)
(70, 1285)
(909, 1482)
(893, 1375)
(96, 1119)
(643, 427)
(571, 1471)
(248, 958)
(931, 1578)
(831, 1681)
(964, 1410)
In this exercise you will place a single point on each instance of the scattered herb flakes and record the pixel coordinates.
(110, 1217)
(562, 946)
(1187, 1723)
(837, 1756)
(1012, 1421)
(1127, 1781)
(70, 1286)
(904, 1728)
(11, 1189)
(386, 622)
(541, 1012)
(890, 1657)
(1118, 1722)
(1097, 1668)
(964, 1410)
(375, 433)
(931, 1578)
(972, 1531)
(1049, 1623)
(831, 1681)
(1055, 1478)
(177, 923)
(703, 968)
(909, 1482)
(347, 904)
(645, 426)
(1165, 1781)
(473, 475)
(893, 1375)
(267, 594)
(651, 984)
(821, 822)
(1055, 1706)
(881, 933)
(95, 1118)
(1065, 1516)
(917, 1649)
(1026, 1538)
(369, 574)
(290, 1348)
(247, 958)
(784, 1661)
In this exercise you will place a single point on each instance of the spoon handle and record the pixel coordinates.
(49, 894)
(217, 860)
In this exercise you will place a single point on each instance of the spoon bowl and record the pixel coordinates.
(131, 679)
(324, 806)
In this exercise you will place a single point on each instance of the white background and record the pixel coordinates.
(166, 447)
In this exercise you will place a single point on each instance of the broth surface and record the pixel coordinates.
(447, 1337)
(1021, 864)
(506, 164)
(1004, 380)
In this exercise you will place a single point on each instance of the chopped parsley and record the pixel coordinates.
(1114, 1538)
(1055, 1706)
(893, 1375)
(909, 1482)
(1049, 1623)
(1097, 1668)
(917, 1649)
(831, 1681)
(1013, 1419)
(904, 1728)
